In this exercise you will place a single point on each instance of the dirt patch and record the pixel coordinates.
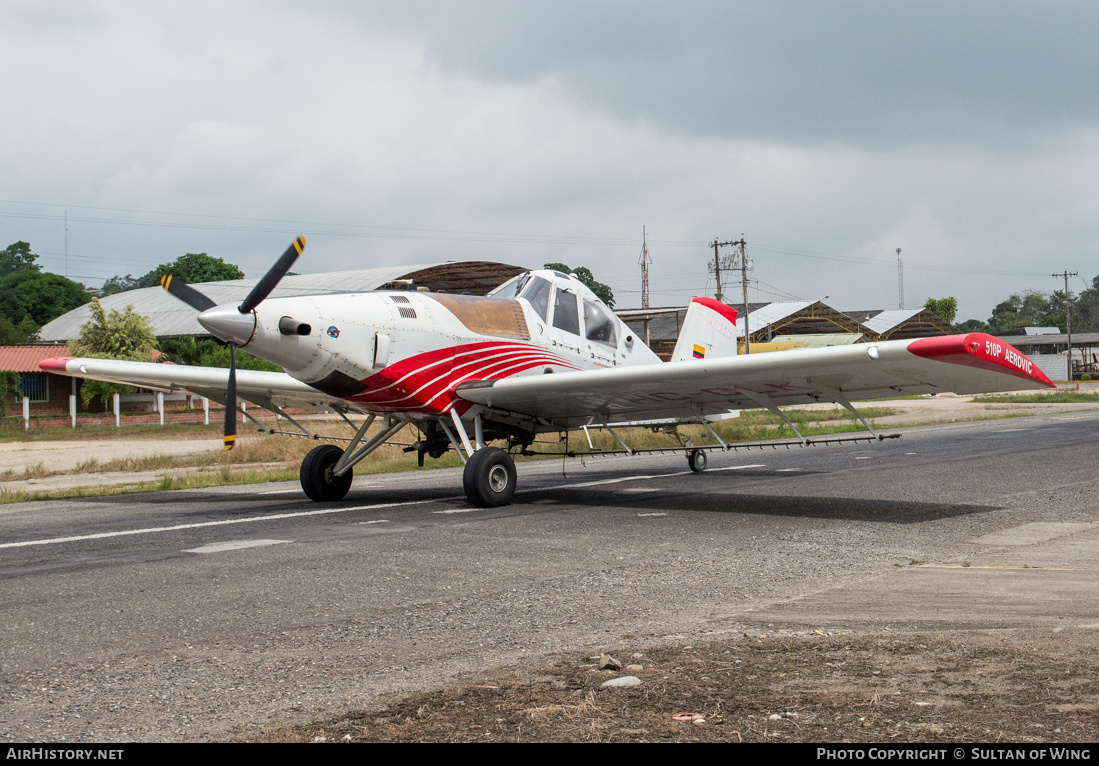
(1014, 686)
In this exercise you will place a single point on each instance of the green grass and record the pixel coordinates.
(13, 431)
(1057, 397)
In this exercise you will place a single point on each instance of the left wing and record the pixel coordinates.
(261, 388)
(963, 364)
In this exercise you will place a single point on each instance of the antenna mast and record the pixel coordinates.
(645, 260)
(900, 280)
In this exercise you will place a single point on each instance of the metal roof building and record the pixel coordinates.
(171, 317)
(901, 324)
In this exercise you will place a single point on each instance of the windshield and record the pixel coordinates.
(600, 323)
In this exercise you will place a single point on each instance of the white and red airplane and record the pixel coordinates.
(540, 354)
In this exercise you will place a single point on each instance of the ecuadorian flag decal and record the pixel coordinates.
(700, 351)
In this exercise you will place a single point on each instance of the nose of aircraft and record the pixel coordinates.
(228, 324)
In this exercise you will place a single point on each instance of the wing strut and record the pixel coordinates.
(612, 433)
(767, 403)
(836, 396)
(724, 446)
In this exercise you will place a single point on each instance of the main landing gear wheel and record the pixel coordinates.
(317, 478)
(696, 459)
(489, 478)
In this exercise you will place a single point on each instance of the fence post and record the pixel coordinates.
(117, 410)
(160, 405)
(26, 413)
(72, 408)
(243, 409)
(206, 409)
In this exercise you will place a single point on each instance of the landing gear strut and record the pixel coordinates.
(317, 478)
(489, 478)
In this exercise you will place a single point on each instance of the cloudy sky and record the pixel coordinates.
(828, 134)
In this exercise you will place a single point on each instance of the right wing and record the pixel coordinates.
(261, 388)
(963, 364)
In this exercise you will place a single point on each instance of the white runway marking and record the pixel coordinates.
(234, 545)
(787, 470)
(642, 489)
(283, 492)
(458, 510)
(643, 515)
(328, 511)
(225, 522)
(376, 521)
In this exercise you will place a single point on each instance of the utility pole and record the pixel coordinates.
(744, 284)
(644, 261)
(900, 280)
(731, 264)
(66, 244)
(717, 266)
(1068, 316)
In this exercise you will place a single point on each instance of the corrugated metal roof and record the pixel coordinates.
(884, 321)
(769, 314)
(171, 317)
(25, 359)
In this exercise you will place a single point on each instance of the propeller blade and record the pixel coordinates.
(231, 400)
(264, 287)
(186, 293)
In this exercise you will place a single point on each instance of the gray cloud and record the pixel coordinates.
(867, 72)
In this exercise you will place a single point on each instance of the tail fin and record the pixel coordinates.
(708, 332)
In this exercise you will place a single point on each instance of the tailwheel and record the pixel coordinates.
(696, 459)
(317, 478)
(489, 478)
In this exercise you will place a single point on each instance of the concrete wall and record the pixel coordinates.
(1055, 366)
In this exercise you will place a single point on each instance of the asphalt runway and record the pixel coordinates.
(185, 615)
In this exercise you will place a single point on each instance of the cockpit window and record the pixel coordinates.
(565, 316)
(538, 293)
(512, 290)
(600, 324)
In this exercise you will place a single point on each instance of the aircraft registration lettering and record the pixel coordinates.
(993, 349)
(1013, 357)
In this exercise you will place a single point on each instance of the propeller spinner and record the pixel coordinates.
(233, 324)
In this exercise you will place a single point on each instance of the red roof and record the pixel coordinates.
(26, 358)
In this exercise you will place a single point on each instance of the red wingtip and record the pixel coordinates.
(979, 350)
(56, 364)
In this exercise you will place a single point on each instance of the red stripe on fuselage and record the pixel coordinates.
(425, 382)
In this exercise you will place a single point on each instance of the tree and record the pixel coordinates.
(944, 308)
(973, 325)
(601, 291)
(9, 384)
(186, 349)
(1085, 309)
(193, 268)
(112, 335)
(39, 295)
(17, 257)
(118, 284)
(12, 334)
(1032, 308)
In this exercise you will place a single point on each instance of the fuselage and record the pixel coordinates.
(407, 351)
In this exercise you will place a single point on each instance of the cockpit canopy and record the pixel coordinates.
(564, 302)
